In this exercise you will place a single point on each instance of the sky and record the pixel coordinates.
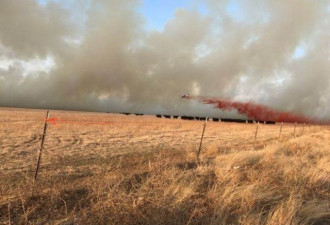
(156, 18)
(156, 13)
(126, 55)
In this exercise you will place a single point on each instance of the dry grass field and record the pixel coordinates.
(143, 170)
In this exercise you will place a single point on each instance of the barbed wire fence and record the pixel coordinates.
(278, 131)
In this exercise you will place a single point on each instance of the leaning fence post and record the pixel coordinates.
(256, 133)
(41, 147)
(201, 142)
(279, 136)
(294, 131)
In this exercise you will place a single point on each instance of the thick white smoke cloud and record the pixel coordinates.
(111, 63)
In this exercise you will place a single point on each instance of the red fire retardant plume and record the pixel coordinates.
(252, 110)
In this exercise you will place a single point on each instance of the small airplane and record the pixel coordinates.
(184, 96)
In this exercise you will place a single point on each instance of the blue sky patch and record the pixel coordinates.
(299, 52)
(156, 13)
(235, 10)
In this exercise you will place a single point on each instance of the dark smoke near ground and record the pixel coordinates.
(105, 60)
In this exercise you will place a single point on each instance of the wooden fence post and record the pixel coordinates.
(201, 142)
(256, 133)
(303, 128)
(279, 136)
(41, 147)
(294, 131)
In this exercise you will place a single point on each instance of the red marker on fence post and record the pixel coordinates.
(41, 147)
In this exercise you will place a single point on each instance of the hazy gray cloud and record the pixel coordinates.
(111, 63)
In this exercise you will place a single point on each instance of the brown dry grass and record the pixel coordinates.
(143, 170)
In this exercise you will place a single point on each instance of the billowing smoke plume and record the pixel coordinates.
(106, 60)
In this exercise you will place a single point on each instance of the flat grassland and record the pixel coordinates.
(144, 170)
